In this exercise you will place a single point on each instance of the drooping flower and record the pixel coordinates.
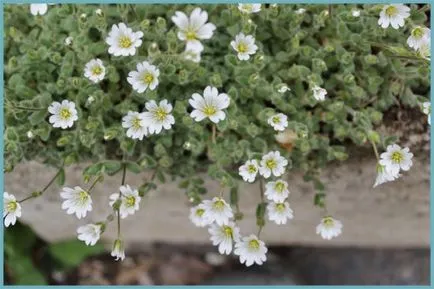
(244, 45)
(98, 12)
(118, 250)
(63, 114)
(217, 210)
(94, 70)
(89, 233)
(355, 13)
(427, 110)
(123, 41)
(136, 125)
(319, 93)
(210, 106)
(276, 191)
(279, 212)
(272, 163)
(38, 9)
(394, 15)
(76, 201)
(224, 236)
(195, 28)
(130, 201)
(384, 175)
(249, 170)
(251, 250)
(68, 40)
(193, 53)
(249, 8)
(418, 37)
(30, 134)
(11, 209)
(329, 228)
(396, 158)
(278, 121)
(145, 77)
(197, 216)
(283, 88)
(158, 116)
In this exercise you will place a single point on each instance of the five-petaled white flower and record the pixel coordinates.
(68, 40)
(384, 175)
(279, 212)
(129, 198)
(396, 158)
(393, 14)
(276, 191)
(217, 210)
(38, 9)
(272, 163)
(158, 116)
(249, 8)
(63, 114)
(135, 123)
(249, 170)
(244, 45)
(278, 121)
(118, 250)
(145, 77)
(210, 106)
(418, 37)
(77, 201)
(319, 93)
(123, 41)
(426, 107)
(195, 28)
(197, 216)
(355, 13)
(89, 233)
(329, 228)
(224, 236)
(11, 209)
(251, 250)
(94, 70)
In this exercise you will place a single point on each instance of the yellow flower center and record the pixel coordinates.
(83, 197)
(136, 123)
(417, 32)
(200, 212)
(251, 169)
(397, 157)
(65, 113)
(328, 222)
(254, 245)
(280, 207)
(148, 78)
(271, 164)
(248, 7)
(209, 110)
(228, 231)
(242, 47)
(276, 119)
(160, 114)
(219, 205)
(190, 35)
(125, 42)
(11, 206)
(279, 187)
(391, 11)
(130, 201)
(96, 70)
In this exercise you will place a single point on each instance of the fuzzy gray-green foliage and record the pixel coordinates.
(365, 69)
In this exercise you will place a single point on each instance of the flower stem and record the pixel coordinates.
(375, 150)
(119, 224)
(99, 178)
(52, 180)
(261, 188)
(26, 198)
(259, 231)
(124, 174)
(213, 133)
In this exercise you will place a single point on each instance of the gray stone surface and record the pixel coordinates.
(395, 214)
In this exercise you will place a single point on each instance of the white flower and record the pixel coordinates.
(89, 233)
(279, 212)
(192, 52)
(195, 28)
(427, 110)
(77, 201)
(224, 236)
(396, 158)
(130, 200)
(63, 114)
(197, 216)
(83, 15)
(244, 45)
(355, 13)
(158, 116)
(217, 210)
(94, 70)
(319, 93)
(278, 121)
(418, 37)
(300, 11)
(123, 41)
(276, 191)
(90, 100)
(283, 88)
(329, 228)
(30, 134)
(249, 8)
(136, 125)
(145, 77)
(425, 50)
(249, 170)
(98, 12)
(384, 175)
(38, 9)
(68, 40)
(272, 163)
(393, 14)
(11, 209)
(210, 106)
(251, 250)
(118, 250)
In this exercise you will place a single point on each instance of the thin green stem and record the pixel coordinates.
(375, 150)
(259, 231)
(26, 198)
(124, 174)
(52, 180)
(94, 184)
(261, 188)
(213, 133)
